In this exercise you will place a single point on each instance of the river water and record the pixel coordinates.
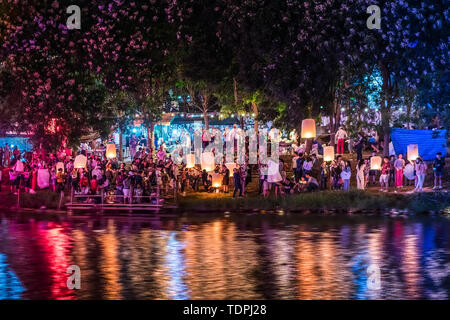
(220, 257)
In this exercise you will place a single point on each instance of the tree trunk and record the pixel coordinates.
(385, 107)
(255, 111)
(205, 101)
(206, 118)
(120, 145)
(408, 114)
(149, 138)
(152, 137)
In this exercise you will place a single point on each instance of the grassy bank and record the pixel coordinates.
(331, 200)
(354, 200)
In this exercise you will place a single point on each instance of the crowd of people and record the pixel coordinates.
(149, 176)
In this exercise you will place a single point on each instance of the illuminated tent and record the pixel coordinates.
(430, 142)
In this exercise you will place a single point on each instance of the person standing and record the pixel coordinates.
(324, 176)
(359, 146)
(421, 170)
(294, 165)
(346, 174)
(360, 177)
(133, 144)
(438, 168)
(7, 152)
(237, 183)
(340, 137)
(384, 177)
(399, 164)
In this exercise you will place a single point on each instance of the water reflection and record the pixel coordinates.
(224, 258)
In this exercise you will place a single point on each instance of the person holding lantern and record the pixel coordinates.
(399, 165)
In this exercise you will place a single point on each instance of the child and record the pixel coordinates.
(384, 177)
(346, 174)
(438, 168)
(399, 164)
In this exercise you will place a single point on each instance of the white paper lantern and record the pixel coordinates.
(80, 162)
(111, 152)
(413, 152)
(308, 128)
(216, 180)
(328, 153)
(231, 166)
(208, 162)
(60, 165)
(190, 160)
(375, 163)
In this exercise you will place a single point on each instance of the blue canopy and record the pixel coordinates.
(22, 142)
(430, 141)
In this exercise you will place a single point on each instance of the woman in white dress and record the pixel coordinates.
(360, 183)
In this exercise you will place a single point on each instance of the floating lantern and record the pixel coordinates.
(230, 166)
(190, 160)
(208, 162)
(328, 153)
(308, 128)
(80, 162)
(111, 152)
(413, 152)
(375, 163)
(60, 165)
(216, 180)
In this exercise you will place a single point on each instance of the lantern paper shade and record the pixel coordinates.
(328, 153)
(375, 163)
(80, 162)
(60, 165)
(216, 180)
(308, 128)
(208, 161)
(111, 152)
(190, 160)
(230, 166)
(413, 152)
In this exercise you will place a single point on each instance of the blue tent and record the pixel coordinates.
(430, 141)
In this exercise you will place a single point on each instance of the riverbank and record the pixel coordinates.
(354, 201)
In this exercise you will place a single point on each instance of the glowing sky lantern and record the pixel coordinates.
(230, 166)
(111, 152)
(208, 163)
(308, 128)
(80, 162)
(413, 152)
(216, 180)
(190, 160)
(328, 153)
(375, 163)
(60, 165)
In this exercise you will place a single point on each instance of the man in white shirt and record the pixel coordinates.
(340, 137)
